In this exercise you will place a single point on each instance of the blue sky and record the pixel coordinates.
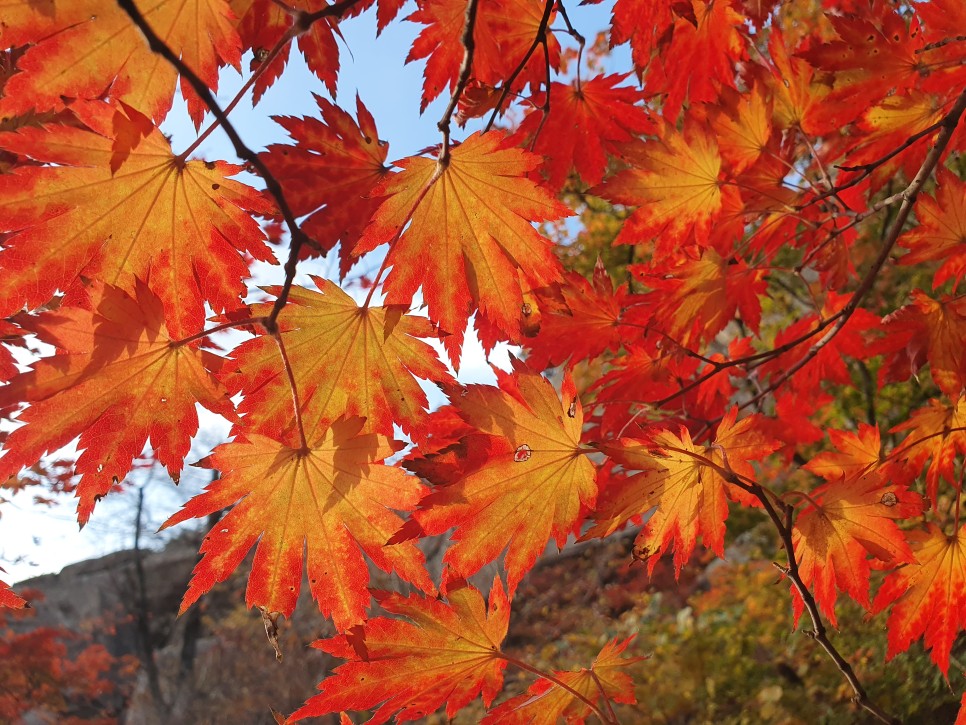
(42, 540)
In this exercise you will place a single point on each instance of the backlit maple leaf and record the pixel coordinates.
(82, 48)
(695, 300)
(927, 330)
(675, 184)
(928, 596)
(461, 231)
(441, 653)
(530, 488)
(330, 500)
(180, 226)
(684, 482)
(346, 361)
(941, 232)
(585, 125)
(116, 382)
(261, 23)
(858, 453)
(705, 45)
(844, 522)
(877, 53)
(546, 703)
(579, 320)
(330, 172)
(937, 433)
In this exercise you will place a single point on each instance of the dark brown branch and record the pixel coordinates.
(466, 67)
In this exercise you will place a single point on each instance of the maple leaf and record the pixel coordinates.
(887, 125)
(877, 54)
(181, 226)
(797, 94)
(675, 184)
(581, 323)
(262, 23)
(116, 381)
(859, 453)
(743, 128)
(332, 499)
(532, 485)
(926, 329)
(330, 173)
(941, 232)
(684, 482)
(842, 524)
(698, 298)
(642, 23)
(346, 360)
(585, 124)
(9, 599)
(937, 433)
(928, 596)
(443, 652)
(704, 47)
(470, 228)
(546, 703)
(81, 48)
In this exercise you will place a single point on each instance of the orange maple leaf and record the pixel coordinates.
(684, 482)
(937, 433)
(927, 329)
(705, 45)
(461, 230)
(116, 382)
(159, 219)
(696, 300)
(443, 652)
(331, 499)
(262, 23)
(929, 595)
(346, 361)
(546, 703)
(844, 522)
(941, 232)
(531, 486)
(743, 127)
(675, 184)
(858, 453)
(80, 48)
(579, 320)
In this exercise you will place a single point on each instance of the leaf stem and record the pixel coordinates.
(217, 328)
(520, 664)
(272, 54)
(296, 404)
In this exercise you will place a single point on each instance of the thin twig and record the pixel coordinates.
(818, 632)
(540, 37)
